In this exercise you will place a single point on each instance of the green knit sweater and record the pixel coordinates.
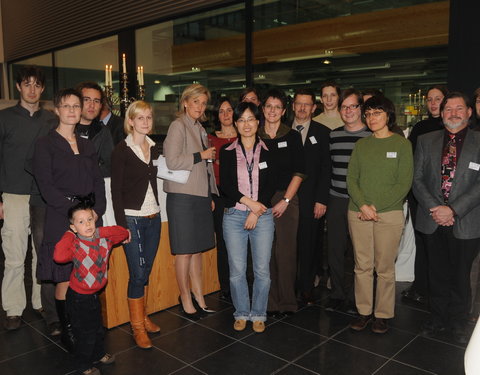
(380, 172)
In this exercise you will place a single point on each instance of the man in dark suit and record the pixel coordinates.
(446, 185)
(113, 123)
(313, 193)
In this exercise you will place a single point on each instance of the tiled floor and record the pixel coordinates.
(313, 341)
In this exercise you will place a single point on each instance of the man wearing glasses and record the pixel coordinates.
(342, 142)
(313, 193)
(90, 127)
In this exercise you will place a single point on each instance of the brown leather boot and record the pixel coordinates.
(150, 326)
(137, 309)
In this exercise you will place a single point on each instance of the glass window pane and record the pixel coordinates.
(373, 50)
(86, 62)
(207, 48)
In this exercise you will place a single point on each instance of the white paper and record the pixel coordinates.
(282, 144)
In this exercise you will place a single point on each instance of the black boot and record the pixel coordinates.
(66, 338)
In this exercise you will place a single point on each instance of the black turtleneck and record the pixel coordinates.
(423, 127)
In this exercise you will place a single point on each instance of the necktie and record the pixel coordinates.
(300, 128)
(449, 165)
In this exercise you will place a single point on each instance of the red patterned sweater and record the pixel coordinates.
(89, 257)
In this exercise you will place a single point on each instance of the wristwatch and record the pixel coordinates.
(286, 199)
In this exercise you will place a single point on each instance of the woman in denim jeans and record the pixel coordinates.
(247, 179)
(136, 207)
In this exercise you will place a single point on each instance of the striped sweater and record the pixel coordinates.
(342, 143)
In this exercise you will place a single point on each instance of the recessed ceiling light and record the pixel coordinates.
(327, 62)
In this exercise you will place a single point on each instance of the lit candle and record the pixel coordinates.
(110, 75)
(142, 82)
(124, 63)
(409, 99)
(138, 75)
(106, 75)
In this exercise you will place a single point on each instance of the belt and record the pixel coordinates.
(152, 216)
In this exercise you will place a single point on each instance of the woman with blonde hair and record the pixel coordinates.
(189, 205)
(136, 207)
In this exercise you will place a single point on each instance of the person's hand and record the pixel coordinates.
(442, 215)
(279, 208)
(1, 211)
(213, 205)
(209, 153)
(257, 208)
(129, 238)
(251, 221)
(319, 210)
(368, 212)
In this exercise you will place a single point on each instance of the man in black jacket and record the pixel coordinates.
(313, 193)
(90, 127)
(112, 122)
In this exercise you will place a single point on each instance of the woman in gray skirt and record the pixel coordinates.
(189, 205)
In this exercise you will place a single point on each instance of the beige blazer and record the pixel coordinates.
(184, 138)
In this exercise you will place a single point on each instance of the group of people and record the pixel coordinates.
(258, 185)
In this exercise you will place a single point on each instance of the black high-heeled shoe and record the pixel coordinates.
(205, 309)
(191, 316)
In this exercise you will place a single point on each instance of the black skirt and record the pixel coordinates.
(190, 223)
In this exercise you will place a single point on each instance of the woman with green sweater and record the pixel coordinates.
(378, 179)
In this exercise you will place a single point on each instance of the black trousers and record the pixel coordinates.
(222, 256)
(450, 261)
(309, 250)
(85, 314)
(338, 244)
(47, 289)
(420, 284)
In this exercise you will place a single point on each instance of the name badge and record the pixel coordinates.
(391, 155)
(282, 144)
(262, 165)
(313, 140)
(474, 166)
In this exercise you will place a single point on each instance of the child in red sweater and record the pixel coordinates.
(88, 248)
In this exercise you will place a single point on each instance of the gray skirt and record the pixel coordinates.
(190, 223)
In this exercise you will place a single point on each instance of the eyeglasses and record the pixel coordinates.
(243, 121)
(274, 107)
(69, 107)
(374, 114)
(351, 107)
(88, 100)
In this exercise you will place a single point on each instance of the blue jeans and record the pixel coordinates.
(141, 251)
(236, 239)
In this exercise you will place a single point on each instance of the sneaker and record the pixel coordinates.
(92, 371)
(258, 326)
(239, 324)
(361, 322)
(379, 326)
(12, 322)
(107, 359)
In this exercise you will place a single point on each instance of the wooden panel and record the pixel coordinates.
(409, 27)
(31, 26)
(163, 289)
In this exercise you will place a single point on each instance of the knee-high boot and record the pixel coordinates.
(137, 321)
(67, 338)
(150, 326)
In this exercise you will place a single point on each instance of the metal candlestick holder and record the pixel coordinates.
(141, 92)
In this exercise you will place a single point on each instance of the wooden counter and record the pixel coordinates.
(163, 289)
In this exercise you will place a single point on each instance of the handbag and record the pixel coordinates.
(163, 172)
